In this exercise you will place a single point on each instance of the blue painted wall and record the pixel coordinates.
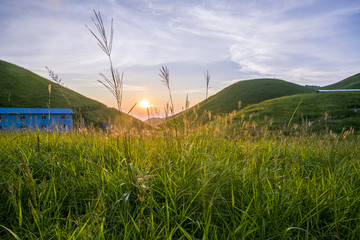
(36, 118)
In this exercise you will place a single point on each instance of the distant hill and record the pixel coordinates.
(244, 93)
(250, 92)
(335, 110)
(352, 82)
(22, 88)
(275, 99)
(154, 120)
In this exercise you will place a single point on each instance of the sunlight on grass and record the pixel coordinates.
(206, 182)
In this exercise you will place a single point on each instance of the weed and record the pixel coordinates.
(207, 81)
(115, 85)
(165, 79)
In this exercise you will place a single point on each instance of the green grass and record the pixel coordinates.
(248, 92)
(352, 82)
(273, 99)
(22, 88)
(334, 111)
(202, 184)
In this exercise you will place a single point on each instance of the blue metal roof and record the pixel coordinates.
(36, 111)
(338, 90)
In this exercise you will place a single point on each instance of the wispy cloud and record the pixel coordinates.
(274, 42)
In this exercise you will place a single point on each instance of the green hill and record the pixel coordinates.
(250, 92)
(352, 82)
(22, 88)
(335, 110)
(242, 94)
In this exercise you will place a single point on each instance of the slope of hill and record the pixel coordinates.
(352, 82)
(242, 94)
(335, 110)
(22, 88)
(250, 92)
(154, 120)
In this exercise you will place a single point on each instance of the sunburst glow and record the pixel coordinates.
(145, 103)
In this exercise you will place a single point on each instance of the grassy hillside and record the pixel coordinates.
(336, 111)
(250, 92)
(352, 82)
(22, 88)
(242, 94)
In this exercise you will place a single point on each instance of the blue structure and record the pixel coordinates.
(36, 118)
(339, 90)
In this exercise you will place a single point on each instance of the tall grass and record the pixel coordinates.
(202, 184)
(165, 79)
(57, 80)
(115, 84)
(207, 81)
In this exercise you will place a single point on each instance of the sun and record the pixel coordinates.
(144, 104)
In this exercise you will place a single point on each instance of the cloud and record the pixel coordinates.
(277, 43)
(56, 2)
(262, 37)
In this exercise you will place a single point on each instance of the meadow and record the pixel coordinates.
(193, 182)
(285, 166)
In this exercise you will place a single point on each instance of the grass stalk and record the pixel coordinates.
(207, 81)
(292, 116)
(164, 74)
(115, 85)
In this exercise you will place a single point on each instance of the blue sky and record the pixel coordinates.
(312, 42)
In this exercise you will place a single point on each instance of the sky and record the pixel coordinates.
(313, 42)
